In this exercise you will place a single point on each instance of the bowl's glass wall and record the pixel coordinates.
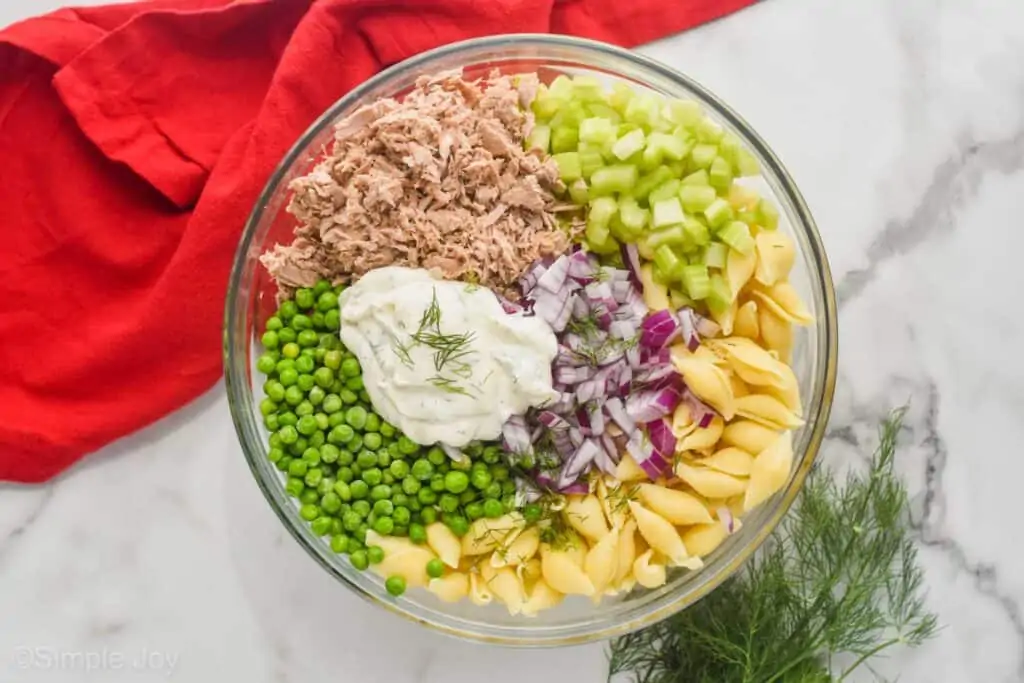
(251, 299)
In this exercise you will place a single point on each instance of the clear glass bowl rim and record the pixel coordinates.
(236, 371)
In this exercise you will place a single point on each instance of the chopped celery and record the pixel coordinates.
(568, 166)
(602, 209)
(748, 216)
(643, 109)
(742, 198)
(590, 160)
(678, 168)
(650, 159)
(650, 181)
(720, 173)
(612, 179)
(588, 89)
(746, 164)
(674, 235)
(668, 146)
(539, 138)
(578, 192)
(569, 116)
(697, 178)
(767, 215)
(695, 280)
(715, 255)
(564, 139)
(719, 297)
(729, 147)
(623, 232)
(669, 188)
(696, 232)
(669, 262)
(708, 131)
(678, 299)
(632, 215)
(683, 112)
(545, 106)
(659, 276)
(703, 155)
(629, 144)
(561, 88)
(620, 96)
(666, 212)
(604, 111)
(597, 130)
(600, 240)
(737, 236)
(696, 198)
(626, 127)
(718, 213)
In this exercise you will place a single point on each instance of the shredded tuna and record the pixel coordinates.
(438, 180)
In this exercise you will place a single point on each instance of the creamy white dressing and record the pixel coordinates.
(442, 361)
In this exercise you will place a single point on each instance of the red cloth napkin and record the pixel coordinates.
(134, 140)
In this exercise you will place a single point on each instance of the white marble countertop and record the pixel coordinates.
(903, 123)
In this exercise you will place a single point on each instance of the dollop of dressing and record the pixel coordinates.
(442, 360)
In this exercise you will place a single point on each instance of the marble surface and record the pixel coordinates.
(903, 122)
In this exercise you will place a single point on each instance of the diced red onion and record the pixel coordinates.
(596, 416)
(552, 420)
(654, 373)
(622, 329)
(659, 329)
(647, 406)
(516, 435)
(577, 487)
(705, 326)
(578, 462)
(631, 257)
(572, 375)
(553, 279)
(576, 436)
(604, 462)
(580, 308)
(611, 449)
(662, 438)
(589, 390)
(617, 412)
(454, 454)
(643, 453)
(582, 266)
(688, 328)
(633, 356)
(700, 412)
(529, 279)
(621, 290)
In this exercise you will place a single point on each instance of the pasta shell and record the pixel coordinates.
(585, 515)
(710, 483)
(655, 295)
(542, 597)
(529, 571)
(709, 383)
(768, 411)
(627, 551)
(678, 507)
(485, 535)
(451, 587)
(682, 421)
(738, 269)
(770, 472)
(748, 435)
(787, 389)
(784, 302)
(602, 562)
(659, 534)
(775, 255)
(739, 387)
(402, 558)
(702, 438)
(519, 550)
(611, 498)
(746, 324)
(752, 363)
(730, 460)
(702, 539)
(628, 470)
(776, 332)
(505, 586)
(445, 543)
(479, 593)
(561, 571)
(647, 573)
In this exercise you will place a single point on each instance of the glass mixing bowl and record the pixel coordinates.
(251, 299)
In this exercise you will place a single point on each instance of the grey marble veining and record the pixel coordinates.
(903, 124)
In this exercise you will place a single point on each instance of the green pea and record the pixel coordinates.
(401, 515)
(435, 568)
(305, 382)
(356, 417)
(372, 476)
(410, 485)
(456, 482)
(298, 447)
(312, 456)
(304, 298)
(314, 476)
(270, 340)
(337, 387)
(492, 455)
(350, 368)
(356, 384)
(384, 508)
(408, 447)
(329, 453)
(345, 474)
(266, 364)
(480, 479)
(283, 464)
(345, 457)
(267, 406)
(309, 512)
(532, 512)
(436, 456)
(365, 397)
(351, 520)
(305, 365)
(274, 454)
(367, 459)
(332, 320)
(321, 526)
(322, 421)
(359, 560)
(348, 397)
(395, 585)
(462, 465)
(418, 534)
(375, 554)
(317, 395)
(290, 350)
(331, 404)
(360, 489)
(305, 408)
(318, 321)
(394, 452)
(422, 469)
(298, 468)
(380, 492)
(500, 472)
(437, 483)
(362, 507)
(467, 496)
(493, 508)
(306, 425)
(271, 423)
(448, 503)
(327, 301)
(387, 429)
(335, 419)
(287, 419)
(288, 377)
(287, 335)
(475, 510)
(294, 487)
(308, 339)
(493, 490)
(336, 527)
(372, 441)
(341, 434)
(326, 484)
(287, 310)
(399, 470)
(426, 496)
(508, 487)
(283, 364)
(274, 323)
(373, 423)
(343, 491)
(387, 478)
(288, 434)
(324, 377)
(309, 497)
(399, 498)
(274, 390)
(318, 439)
(428, 515)
(300, 322)
(458, 525)
(339, 543)
(356, 470)
(356, 444)
(321, 286)
(384, 526)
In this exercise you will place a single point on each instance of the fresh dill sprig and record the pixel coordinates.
(838, 579)
(431, 318)
(448, 384)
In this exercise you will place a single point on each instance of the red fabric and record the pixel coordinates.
(133, 142)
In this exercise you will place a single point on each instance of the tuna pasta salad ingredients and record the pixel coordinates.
(533, 341)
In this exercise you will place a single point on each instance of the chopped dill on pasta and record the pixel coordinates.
(839, 577)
